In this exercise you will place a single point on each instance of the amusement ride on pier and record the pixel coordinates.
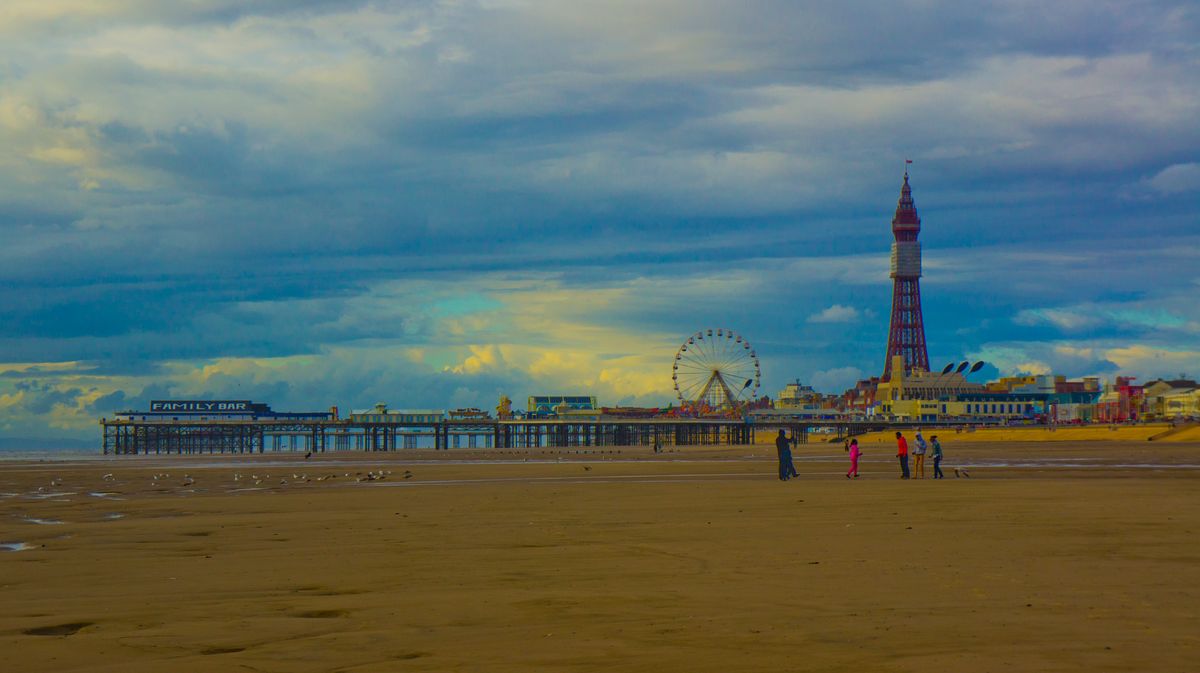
(716, 370)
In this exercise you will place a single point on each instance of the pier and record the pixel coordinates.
(122, 437)
(209, 436)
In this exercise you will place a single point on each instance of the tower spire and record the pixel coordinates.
(906, 333)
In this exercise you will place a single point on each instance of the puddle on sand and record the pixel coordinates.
(14, 546)
(105, 494)
(113, 516)
(43, 522)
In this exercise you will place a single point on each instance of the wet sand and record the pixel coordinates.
(1049, 557)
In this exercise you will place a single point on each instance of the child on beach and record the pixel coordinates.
(854, 454)
(919, 455)
(937, 458)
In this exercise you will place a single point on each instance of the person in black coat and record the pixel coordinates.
(784, 448)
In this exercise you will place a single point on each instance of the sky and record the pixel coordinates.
(432, 203)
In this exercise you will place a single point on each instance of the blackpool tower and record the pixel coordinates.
(906, 335)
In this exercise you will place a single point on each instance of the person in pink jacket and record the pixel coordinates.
(854, 455)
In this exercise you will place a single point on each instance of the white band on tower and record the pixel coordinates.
(906, 259)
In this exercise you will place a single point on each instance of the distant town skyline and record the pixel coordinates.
(313, 203)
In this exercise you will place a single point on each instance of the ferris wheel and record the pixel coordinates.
(716, 368)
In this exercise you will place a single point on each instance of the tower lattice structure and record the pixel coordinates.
(906, 334)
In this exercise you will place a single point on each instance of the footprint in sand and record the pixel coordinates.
(58, 629)
(222, 650)
(322, 614)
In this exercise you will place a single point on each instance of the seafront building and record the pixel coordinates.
(796, 395)
(1044, 383)
(861, 398)
(547, 405)
(1171, 399)
(922, 396)
(1120, 402)
(381, 414)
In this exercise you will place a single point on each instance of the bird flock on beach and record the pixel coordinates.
(161, 481)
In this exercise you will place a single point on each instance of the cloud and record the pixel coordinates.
(836, 380)
(1090, 358)
(481, 358)
(1065, 319)
(1151, 361)
(835, 314)
(1176, 179)
(1032, 368)
(1137, 315)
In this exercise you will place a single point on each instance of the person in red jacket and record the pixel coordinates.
(902, 454)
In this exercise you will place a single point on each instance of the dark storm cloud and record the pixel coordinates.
(41, 398)
(106, 404)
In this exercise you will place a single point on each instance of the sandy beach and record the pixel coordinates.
(1064, 557)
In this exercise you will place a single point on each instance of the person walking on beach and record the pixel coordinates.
(854, 454)
(902, 454)
(919, 456)
(937, 458)
(783, 447)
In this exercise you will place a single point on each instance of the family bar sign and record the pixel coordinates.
(211, 406)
